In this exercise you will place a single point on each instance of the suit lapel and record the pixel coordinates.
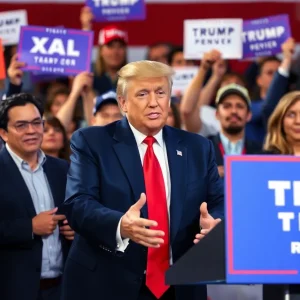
(13, 172)
(128, 154)
(177, 159)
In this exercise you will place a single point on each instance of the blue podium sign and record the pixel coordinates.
(262, 219)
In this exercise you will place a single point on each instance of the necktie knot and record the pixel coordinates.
(149, 140)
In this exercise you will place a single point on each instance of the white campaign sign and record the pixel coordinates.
(201, 36)
(10, 25)
(182, 79)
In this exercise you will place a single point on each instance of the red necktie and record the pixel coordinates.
(158, 260)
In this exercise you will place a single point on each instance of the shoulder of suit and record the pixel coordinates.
(96, 130)
(189, 136)
(57, 162)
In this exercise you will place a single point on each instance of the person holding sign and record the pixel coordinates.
(111, 52)
(129, 199)
(233, 111)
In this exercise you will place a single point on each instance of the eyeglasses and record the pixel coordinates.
(24, 125)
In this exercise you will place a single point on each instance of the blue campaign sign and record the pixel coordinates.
(53, 50)
(262, 219)
(117, 10)
(263, 37)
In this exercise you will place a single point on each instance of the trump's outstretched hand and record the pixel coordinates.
(207, 223)
(138, 229)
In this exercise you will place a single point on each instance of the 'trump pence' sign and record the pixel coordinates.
(117, 10)
(263, 37)
(55, 50)
(182, 78)
(201, 36)
(10, 24)
(262, 219)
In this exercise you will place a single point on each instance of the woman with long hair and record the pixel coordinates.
(283, 136)
(111, 52)
(55, 142)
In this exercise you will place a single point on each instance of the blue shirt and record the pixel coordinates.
(38, 186)
(232, 148)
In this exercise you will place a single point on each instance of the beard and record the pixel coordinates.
(233, 130)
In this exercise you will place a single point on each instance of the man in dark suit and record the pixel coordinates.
(233, 111)
(33, 243)
(126, 240)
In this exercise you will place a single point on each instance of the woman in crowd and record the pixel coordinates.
(111, 54)
(283, 135)
(55, 141)
(283, 138)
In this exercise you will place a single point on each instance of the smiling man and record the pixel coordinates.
(33, 244)
(134, 192)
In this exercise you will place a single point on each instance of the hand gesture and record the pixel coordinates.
(82, 83)
(207, 223)
(221, 171)
(14, 70)
(219, 68)
(67, 231)
(86, 18)
(138, 229)
(288, 48)
(210, 58)
(45, 222)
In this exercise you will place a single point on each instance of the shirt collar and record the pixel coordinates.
(139, 137)
(20, 161)
(227, 142)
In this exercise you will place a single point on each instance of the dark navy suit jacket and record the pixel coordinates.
(104, 180)
(20, 253)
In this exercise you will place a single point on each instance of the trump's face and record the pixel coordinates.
(146, 104)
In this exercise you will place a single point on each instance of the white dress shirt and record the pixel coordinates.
(42, 198)
(160, 150)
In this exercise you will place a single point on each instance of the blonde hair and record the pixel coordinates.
(276, 137)
(142, 69)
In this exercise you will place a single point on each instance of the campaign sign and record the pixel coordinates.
(10, 24)
(2, 63)
(263, 37)
(201, 36)
(55, 50)
(262, 219)
(117, 10)
(182, 78)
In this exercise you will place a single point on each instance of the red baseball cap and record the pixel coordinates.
(111, 33)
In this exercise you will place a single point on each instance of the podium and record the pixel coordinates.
(259, 240)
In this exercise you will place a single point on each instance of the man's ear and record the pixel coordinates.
(122, 103)
(3, 135)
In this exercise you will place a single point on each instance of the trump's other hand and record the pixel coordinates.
(138, 229)
(207, 223)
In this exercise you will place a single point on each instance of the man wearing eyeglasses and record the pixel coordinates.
(34, 235)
